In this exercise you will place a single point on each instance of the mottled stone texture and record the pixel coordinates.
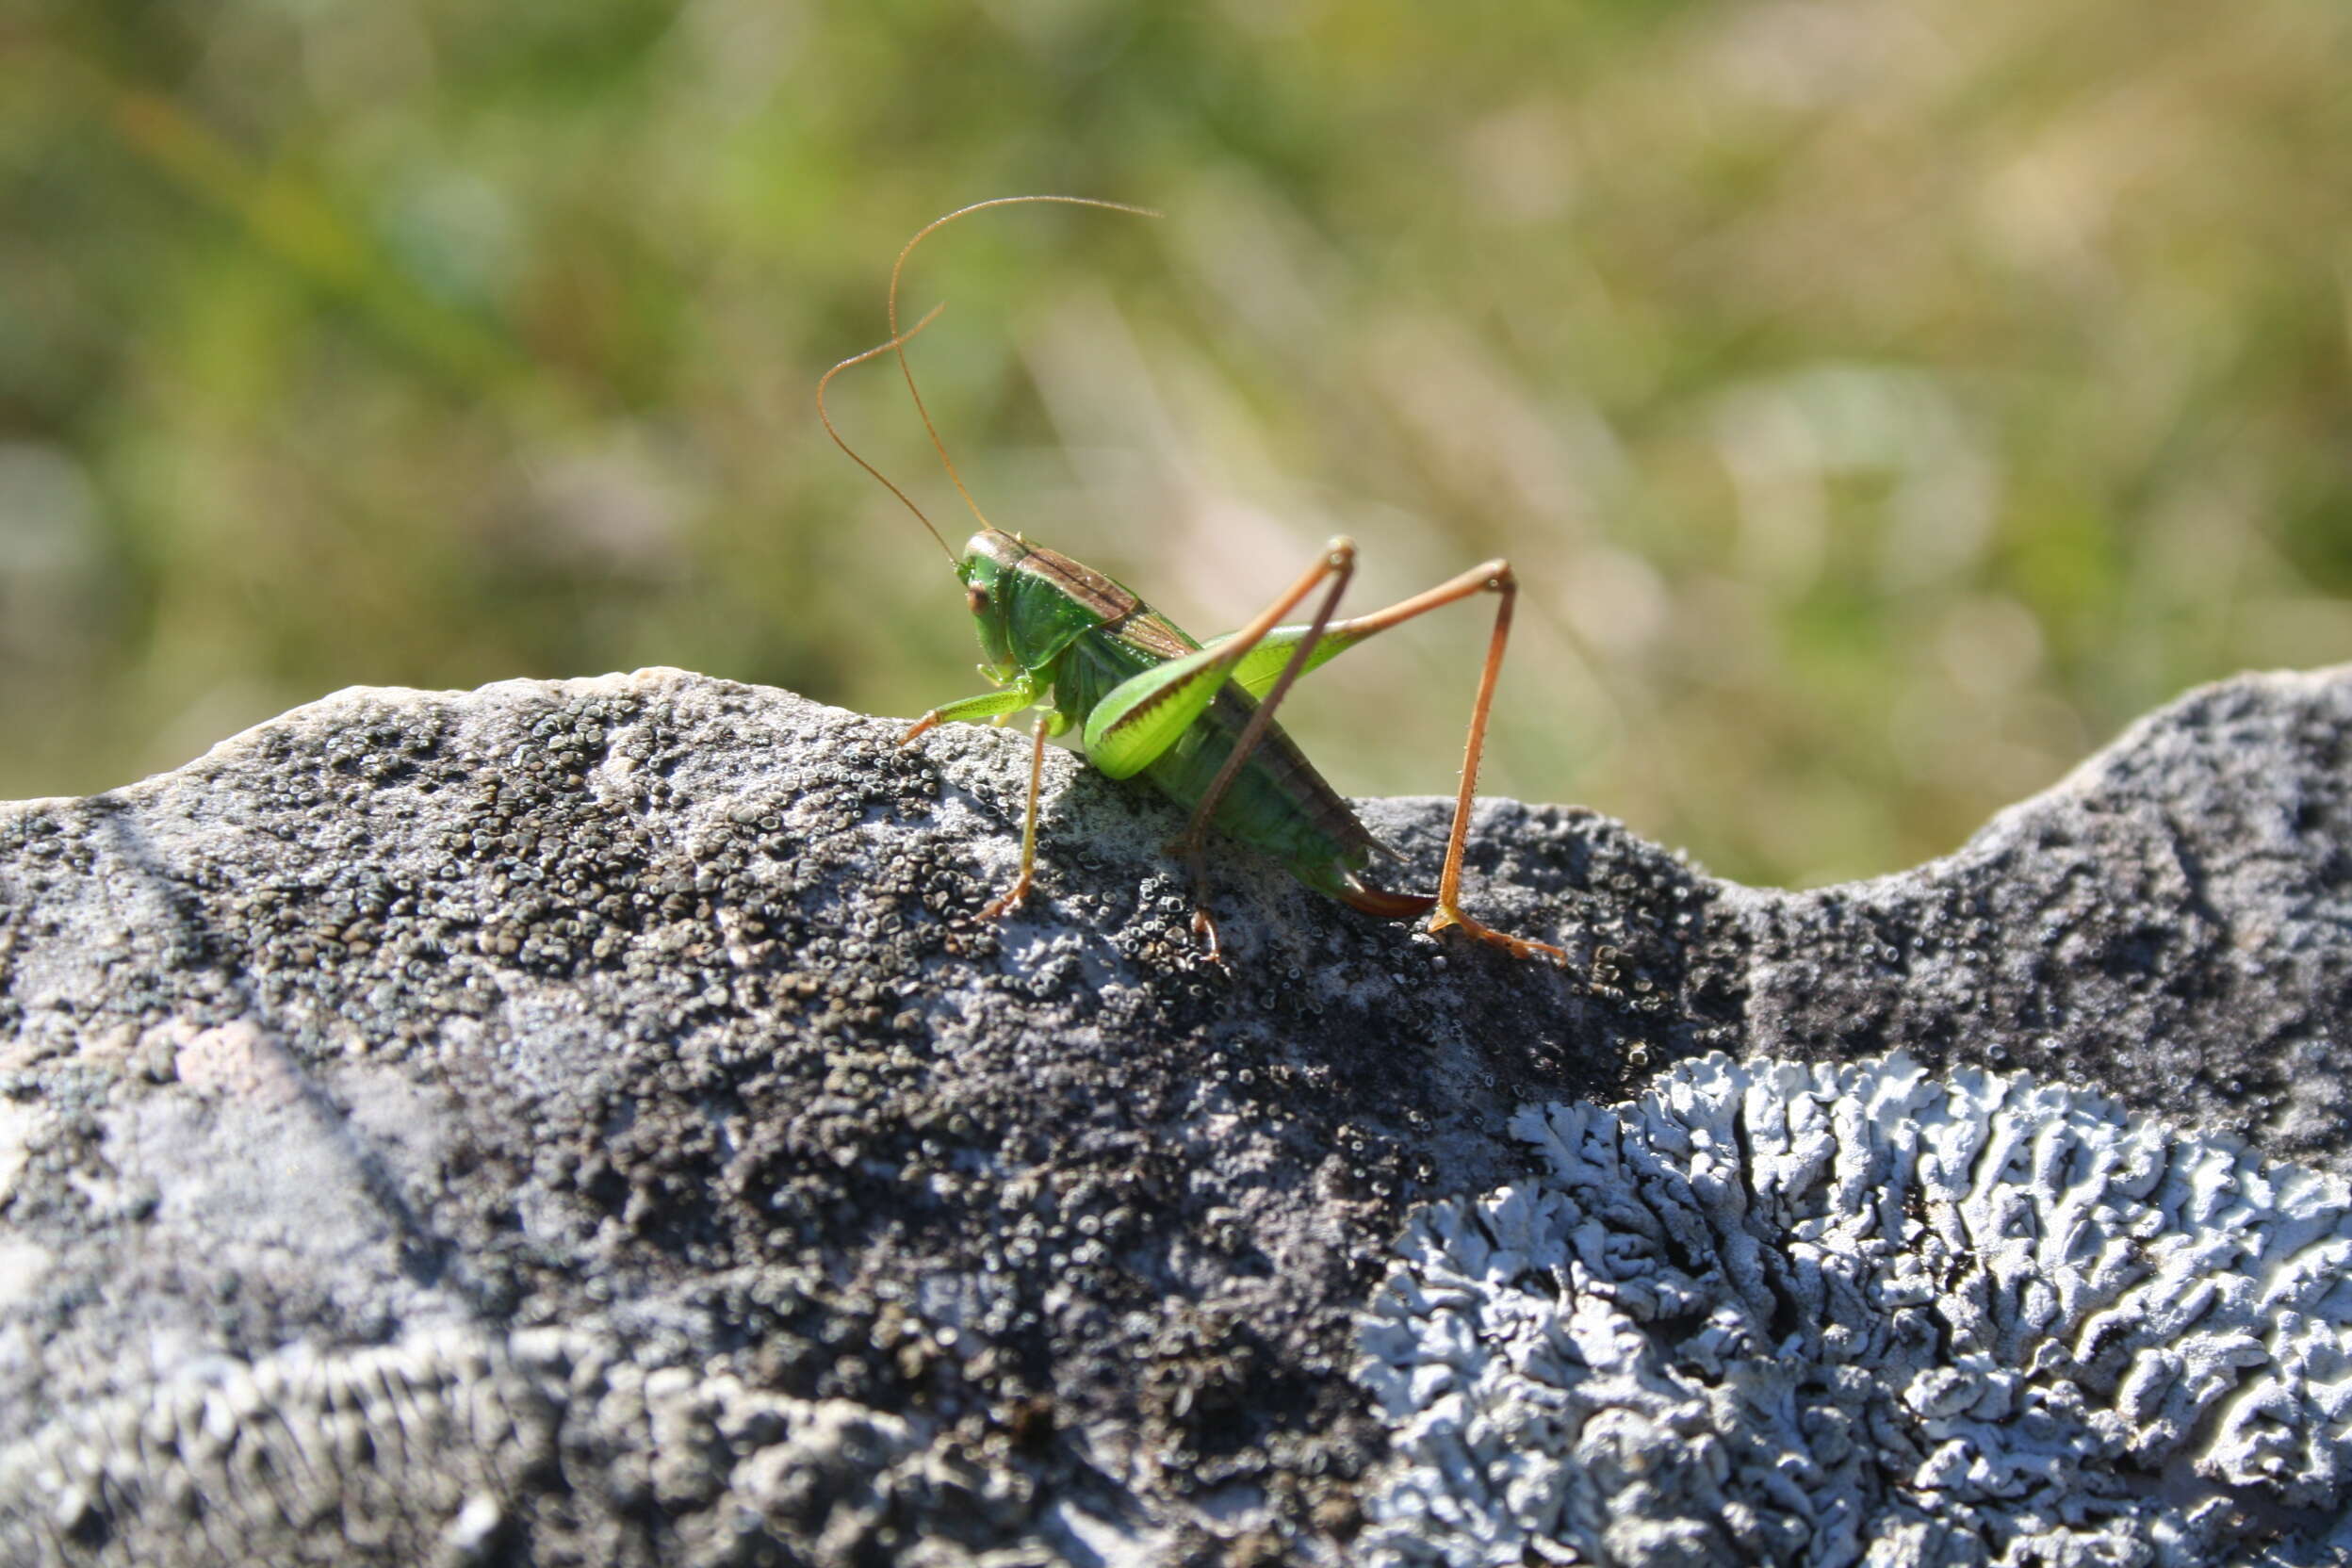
(2171, 924)
(587, 1122)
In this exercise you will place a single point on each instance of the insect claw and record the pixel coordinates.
(1009, 900)
(1518, 947)
(1186, 847)
(921, 726)
(1205, 928)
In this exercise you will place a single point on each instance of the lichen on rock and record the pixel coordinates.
(590, 1122)
(449, 1446)
(1772, 1311)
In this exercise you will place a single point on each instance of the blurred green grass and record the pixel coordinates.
(1883, 400)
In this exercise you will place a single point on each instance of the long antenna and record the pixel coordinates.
(897, 344)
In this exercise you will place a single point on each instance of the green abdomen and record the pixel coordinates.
(1277, 801)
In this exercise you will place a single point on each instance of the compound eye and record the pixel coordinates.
(977, 598)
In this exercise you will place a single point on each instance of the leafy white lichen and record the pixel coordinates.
(1779, 1313)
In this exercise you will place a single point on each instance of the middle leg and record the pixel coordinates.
(1339, 564)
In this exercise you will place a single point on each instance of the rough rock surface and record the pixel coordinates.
(586, 1121)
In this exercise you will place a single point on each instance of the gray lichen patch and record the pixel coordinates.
(455, 1446)
(1773, 1313)
(407, 1453)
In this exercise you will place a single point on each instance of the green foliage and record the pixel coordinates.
(1882, 399)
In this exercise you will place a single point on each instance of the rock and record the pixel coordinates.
(2171, 924)
(588, 1121)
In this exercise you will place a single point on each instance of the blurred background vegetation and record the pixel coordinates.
(1883, 400)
